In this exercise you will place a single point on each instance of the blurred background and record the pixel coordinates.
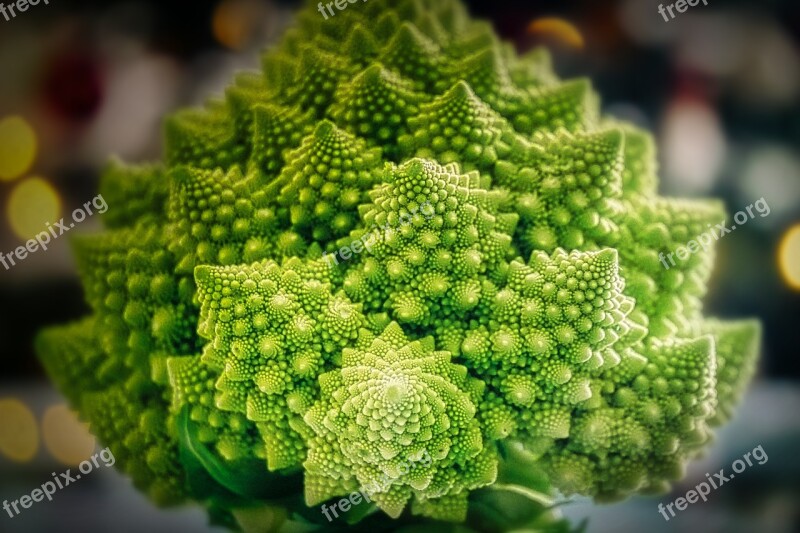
(719, 85)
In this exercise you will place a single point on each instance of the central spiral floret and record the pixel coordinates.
(393, 403)
(395, 392)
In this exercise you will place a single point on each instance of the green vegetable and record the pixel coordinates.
(506, 316)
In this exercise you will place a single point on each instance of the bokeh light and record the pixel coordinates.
(694, 146)
(17, 147)
(770, 171)
(789, 257)
(65, 437)
(558, 29)
(19, 434)
(234, 22)
(31, 205)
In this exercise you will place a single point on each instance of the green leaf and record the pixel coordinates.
(212, 477)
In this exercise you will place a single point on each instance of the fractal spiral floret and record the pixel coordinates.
(402, 261)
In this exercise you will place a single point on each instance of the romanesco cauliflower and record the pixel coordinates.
(521, 333)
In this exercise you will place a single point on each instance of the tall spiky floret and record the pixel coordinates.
(403, 260)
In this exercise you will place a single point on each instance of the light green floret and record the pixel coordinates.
(398, 420)
(273, 330)
(670, 296)
(550, 329)
(459, 127)
(326, 180)
(737, 344)
(566, 189)
(224, 218)
(376, 106)
(650, 418)
(437, 236)
(276, 129)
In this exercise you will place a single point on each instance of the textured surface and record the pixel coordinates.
(528, 307)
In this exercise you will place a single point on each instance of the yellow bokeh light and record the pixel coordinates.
(65, 437)
(17, 147)
(789, 257)
(558, 28)
(31, 206)
(19, 434)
